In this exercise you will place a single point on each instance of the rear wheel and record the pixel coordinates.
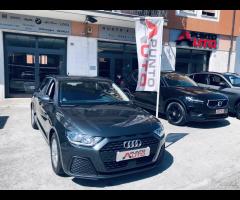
(33, 121)
(238, 110)
(176, 114)
(55, 156)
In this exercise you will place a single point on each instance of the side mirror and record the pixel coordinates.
(45, 98)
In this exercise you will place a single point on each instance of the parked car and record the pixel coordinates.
(94, 130)
(181, 100)
(225, 83)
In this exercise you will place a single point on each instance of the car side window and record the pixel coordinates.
(216, 80)
(44, 83)
(162, 83)
(51, 90)
(201, 78)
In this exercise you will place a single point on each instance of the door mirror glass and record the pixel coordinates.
(45, 98)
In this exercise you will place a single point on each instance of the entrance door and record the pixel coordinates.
(21, 73)
(191, 61)
(50, 64)
(110, 66)
(29, 59)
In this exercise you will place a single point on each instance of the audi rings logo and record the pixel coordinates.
(220, 103)
(132, 144)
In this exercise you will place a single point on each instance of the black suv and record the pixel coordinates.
(94, 130)
(182, 100)
(225, 83)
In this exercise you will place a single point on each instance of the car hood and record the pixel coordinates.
(200, 93)
(109, 120)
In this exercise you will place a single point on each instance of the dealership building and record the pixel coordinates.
(35, 43)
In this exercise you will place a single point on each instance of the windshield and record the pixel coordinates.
(178, 80)
(90, 92)
(233, 79)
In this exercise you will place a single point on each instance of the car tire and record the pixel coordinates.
(238, 110)
(33, 121)
(176, 114)
(55, 156)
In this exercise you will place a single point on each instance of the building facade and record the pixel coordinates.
(203, 40)
(35, 43)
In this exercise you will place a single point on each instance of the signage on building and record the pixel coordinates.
(117, 33)
(34, 24)
(197, 39)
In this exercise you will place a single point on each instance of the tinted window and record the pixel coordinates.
(234, 80)
(88, 92)
(201, 78)
(216, 80)
(176, 80)
(44, 83)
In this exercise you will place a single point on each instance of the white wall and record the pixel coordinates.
(168, 58)
(82, 56)
(218, 61)
(2, 81)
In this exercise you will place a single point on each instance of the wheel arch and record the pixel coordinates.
(174, 100)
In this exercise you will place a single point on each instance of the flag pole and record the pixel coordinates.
(159, 75)
(158, 89)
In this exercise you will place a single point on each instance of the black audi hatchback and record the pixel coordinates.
(182, 100)
(93, 128)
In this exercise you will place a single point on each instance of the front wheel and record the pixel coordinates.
(55, 156)
(176, 114)
(238, 110)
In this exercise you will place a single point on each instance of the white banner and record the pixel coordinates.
(149, 33)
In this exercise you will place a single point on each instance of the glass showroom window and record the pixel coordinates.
(209, 13)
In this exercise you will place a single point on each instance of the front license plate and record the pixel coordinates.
(220, 111)
(132, 154)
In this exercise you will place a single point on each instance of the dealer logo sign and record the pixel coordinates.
(197, 39)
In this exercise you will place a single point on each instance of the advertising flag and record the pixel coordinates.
(149, 31)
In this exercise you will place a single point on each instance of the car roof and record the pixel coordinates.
(77, 78)
(217, 73)
(163, 73)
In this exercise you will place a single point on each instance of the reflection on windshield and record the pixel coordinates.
(90, 92)
(177, 80)
(234, 80)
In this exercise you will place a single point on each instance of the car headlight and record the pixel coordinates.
(77, 138)
(159, 131)
(194, 100)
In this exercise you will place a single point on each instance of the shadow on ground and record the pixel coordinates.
(174, 137)
(166, 163)
(209, 124)
(3, 121)
(203, 125)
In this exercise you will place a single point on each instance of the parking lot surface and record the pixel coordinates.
(198, 156)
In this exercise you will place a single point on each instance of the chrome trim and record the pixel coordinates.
(218, 101)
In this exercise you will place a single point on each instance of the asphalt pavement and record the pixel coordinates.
(198, 156)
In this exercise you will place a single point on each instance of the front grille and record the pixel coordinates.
(109, 151)
(220, 103)
(82, 166)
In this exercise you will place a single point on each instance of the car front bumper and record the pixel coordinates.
(199, 114)
(99, 162)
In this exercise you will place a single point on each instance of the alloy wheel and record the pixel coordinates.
(175, 113)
